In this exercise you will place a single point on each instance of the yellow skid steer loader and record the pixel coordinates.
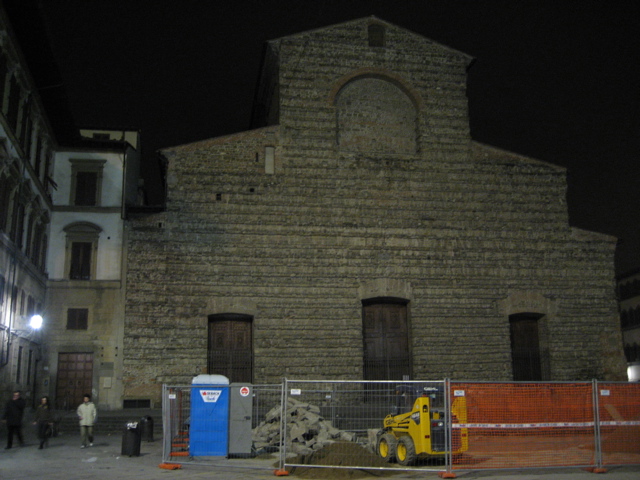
(420, 432)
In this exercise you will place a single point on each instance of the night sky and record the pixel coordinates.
(558, 80)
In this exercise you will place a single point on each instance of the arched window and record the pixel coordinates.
(374, 114)
(82, 250)
(38, 220)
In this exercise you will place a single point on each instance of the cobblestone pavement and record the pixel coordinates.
(64, 459)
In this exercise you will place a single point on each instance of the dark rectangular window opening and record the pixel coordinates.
(29, 364)
(14, 103)
(526, 354)
(19, 367)
(38, 157)
(77, 318)
(80, 261)
(376, 35)
(86, 189)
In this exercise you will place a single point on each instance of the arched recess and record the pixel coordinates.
(375, 112)
(529, 358)
(528, 315)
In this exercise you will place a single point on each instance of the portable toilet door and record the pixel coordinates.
(209, 424)
(240, 418)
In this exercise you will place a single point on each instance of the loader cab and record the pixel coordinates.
(406, 395)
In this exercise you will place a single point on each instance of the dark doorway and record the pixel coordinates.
(525, 346)
(230, 347)
(75, 379)
(386, 339)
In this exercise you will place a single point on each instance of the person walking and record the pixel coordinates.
(13, 412)
(87, 414)
(43, 421)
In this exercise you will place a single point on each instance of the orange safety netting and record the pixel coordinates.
(517, 425)
(619, 412)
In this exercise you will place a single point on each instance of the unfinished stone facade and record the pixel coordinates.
(362, 186)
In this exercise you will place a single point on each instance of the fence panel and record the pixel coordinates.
(365, 424)
(619, 415)
(176, 414)
(518, 425)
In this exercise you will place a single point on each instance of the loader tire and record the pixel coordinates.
(406, 451)
(386, 447)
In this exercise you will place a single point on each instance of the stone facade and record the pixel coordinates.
(363, 182)
(86, 357)
(40, 221)
(26, 145)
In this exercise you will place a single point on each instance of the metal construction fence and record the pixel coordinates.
(440, 426)
(341, 424)
(176, 416)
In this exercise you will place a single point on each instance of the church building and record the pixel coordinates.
(359, 232)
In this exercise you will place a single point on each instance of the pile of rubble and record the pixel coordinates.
(307, 431)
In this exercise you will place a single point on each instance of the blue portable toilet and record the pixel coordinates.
(209, 426)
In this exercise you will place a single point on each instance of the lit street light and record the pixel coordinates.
(36, 322)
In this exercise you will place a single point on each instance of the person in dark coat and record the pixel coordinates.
(44, 421)
(13, 412)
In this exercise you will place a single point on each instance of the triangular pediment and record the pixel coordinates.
(420, 40)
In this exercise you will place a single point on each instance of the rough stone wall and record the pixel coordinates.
(468, 234)
(314, 65)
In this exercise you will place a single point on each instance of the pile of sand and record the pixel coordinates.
(344, 454)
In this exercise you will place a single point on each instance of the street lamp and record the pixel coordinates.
(30, 334)
(36, 322)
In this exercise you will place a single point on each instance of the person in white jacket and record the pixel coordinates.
(87, 414)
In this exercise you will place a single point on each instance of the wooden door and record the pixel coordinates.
(230, 347)
(74, 380)
(386, 342)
